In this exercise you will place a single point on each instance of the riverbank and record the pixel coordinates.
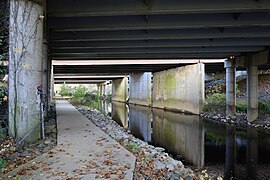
(215, 107)
(152, 162)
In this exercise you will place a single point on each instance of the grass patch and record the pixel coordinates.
(241, 106)
(132, 147)
(217, 101)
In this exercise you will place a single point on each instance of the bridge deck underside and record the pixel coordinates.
(155, 29)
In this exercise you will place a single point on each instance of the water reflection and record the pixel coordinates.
(252, 153)
(140, 122)
(180, 134)
(236, 153)
(120, 113)
(230, 153)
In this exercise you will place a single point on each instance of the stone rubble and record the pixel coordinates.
(240, 120)
(162, 161)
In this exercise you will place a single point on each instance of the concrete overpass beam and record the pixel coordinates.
(25, 69)
(140, 88)
(252, 93)
(180, 89)
(230, 87)
(120, 89)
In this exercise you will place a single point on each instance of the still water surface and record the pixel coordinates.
(233, 152)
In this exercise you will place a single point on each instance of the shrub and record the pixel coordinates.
(264, 108)
(241, 106)
(215, 101)
(91, 99)
(66, 90)
(79, 91)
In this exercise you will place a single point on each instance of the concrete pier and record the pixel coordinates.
(230, 87)
(140, 88)
(252, 93)
(25, 69)
(120, 89)
(180, 88)
(45, 79)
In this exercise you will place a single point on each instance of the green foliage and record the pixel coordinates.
(91, 99)
(237, 90)
(79, 91)
(264, 108)
(132, 147)
(214, 102)
(241, 106)
(218, 101)
(81, 96)
(3, 164)
(66, 90)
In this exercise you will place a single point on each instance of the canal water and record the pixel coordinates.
(233, 152)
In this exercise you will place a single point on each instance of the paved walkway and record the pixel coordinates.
(83, 152)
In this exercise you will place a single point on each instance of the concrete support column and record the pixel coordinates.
(252, 93)
(52, 84)
(25, 69)
(45, 79)
(230, 87)
(120, 89)
(140, 88)
(106, 88)
(99, 87)
(180, 89)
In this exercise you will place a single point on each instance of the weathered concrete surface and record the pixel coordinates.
(140, 122)
(120, 113)
(80, 145)
(230, 87)
(252, 93)
(25, 68)
(45, 79)
(140, 88)
(180, 134)
(120, 89)
(180, 88)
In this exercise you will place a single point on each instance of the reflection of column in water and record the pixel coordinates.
(107, 108)
(230, 152)
(180, 134)
(140, 122)
(252, 153)
(120, 113)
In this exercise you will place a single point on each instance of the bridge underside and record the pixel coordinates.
(131, 30)
(138, 36)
